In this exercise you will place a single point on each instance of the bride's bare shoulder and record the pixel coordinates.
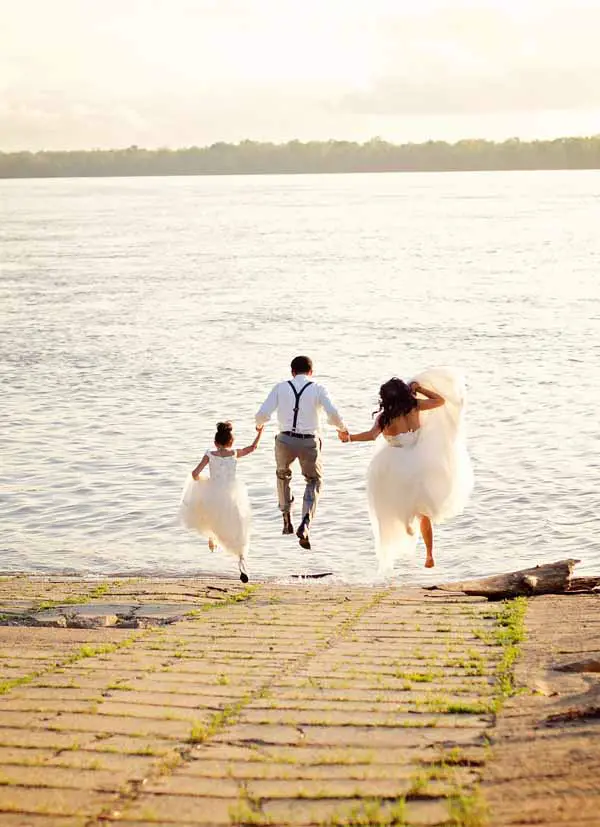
(402, 424)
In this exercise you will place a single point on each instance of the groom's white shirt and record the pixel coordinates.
(314, 400)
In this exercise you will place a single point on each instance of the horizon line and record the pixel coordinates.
(376, 139)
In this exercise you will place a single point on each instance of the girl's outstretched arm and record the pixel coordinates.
(200, 467)
(365, 436)
(243, 452)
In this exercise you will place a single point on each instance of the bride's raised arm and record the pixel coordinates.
(432, 400)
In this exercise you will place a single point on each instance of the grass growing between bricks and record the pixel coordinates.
(442, 704)
(239, 597)
(247, 811)
(98, 591)
(509, 635)
(85, 651)
(371, 813)
(439, 777)
(90, 651)
(468, 808)
(218, 721)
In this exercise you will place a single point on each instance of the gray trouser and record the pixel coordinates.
(308, 453)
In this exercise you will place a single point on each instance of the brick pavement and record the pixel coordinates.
(207, 703)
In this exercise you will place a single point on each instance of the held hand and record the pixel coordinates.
(344, 436)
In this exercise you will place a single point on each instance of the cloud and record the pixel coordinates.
(182, 118)
(52, 123)
(527, 89)
(461, 61)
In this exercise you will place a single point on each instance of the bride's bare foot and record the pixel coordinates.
(427, 535)
(211, 544)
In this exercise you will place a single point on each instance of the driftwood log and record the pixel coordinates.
(583, 584)
(550, 578)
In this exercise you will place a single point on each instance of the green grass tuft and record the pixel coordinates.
(371, 813)
(510, 634)
(468, 810)
(417, 677)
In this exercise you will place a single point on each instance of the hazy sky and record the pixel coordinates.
(102, 73)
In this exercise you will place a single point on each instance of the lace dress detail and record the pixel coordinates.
(222, 469)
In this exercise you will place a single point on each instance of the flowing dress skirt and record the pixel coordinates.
(219, 510)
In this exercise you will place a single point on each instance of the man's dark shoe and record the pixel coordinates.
(302, 533)
(288, 528)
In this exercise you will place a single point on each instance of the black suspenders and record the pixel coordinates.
(297, 394)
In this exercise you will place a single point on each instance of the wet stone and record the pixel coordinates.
(8, 608)
(165, 611)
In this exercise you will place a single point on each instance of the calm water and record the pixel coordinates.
(134, 313)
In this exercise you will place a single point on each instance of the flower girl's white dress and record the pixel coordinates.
(426, 472)
(218, 507)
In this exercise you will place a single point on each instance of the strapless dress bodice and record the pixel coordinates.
(402, 440)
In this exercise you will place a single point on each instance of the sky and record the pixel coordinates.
(78, 74)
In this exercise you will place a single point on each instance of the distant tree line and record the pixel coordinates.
(251, 157)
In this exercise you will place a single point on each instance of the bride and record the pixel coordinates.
(420, 473)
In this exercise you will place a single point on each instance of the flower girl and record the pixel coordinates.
(217, 505)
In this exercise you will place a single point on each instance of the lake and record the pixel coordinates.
(136, 312)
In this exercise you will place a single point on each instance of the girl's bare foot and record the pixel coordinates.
(211, 544)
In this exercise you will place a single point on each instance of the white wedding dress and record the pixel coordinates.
(424, 472)
(218, 507)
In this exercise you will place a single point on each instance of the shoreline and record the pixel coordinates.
(297, 173)
(325, 577)
(309, 157)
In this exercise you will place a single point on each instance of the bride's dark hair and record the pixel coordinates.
(395, 399)
(224, 434)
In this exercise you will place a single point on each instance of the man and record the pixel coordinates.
(298, 403)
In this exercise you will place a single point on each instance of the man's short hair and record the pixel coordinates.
(301, 364)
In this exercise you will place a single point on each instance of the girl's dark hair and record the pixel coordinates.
(224, 433)
(395, 399)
